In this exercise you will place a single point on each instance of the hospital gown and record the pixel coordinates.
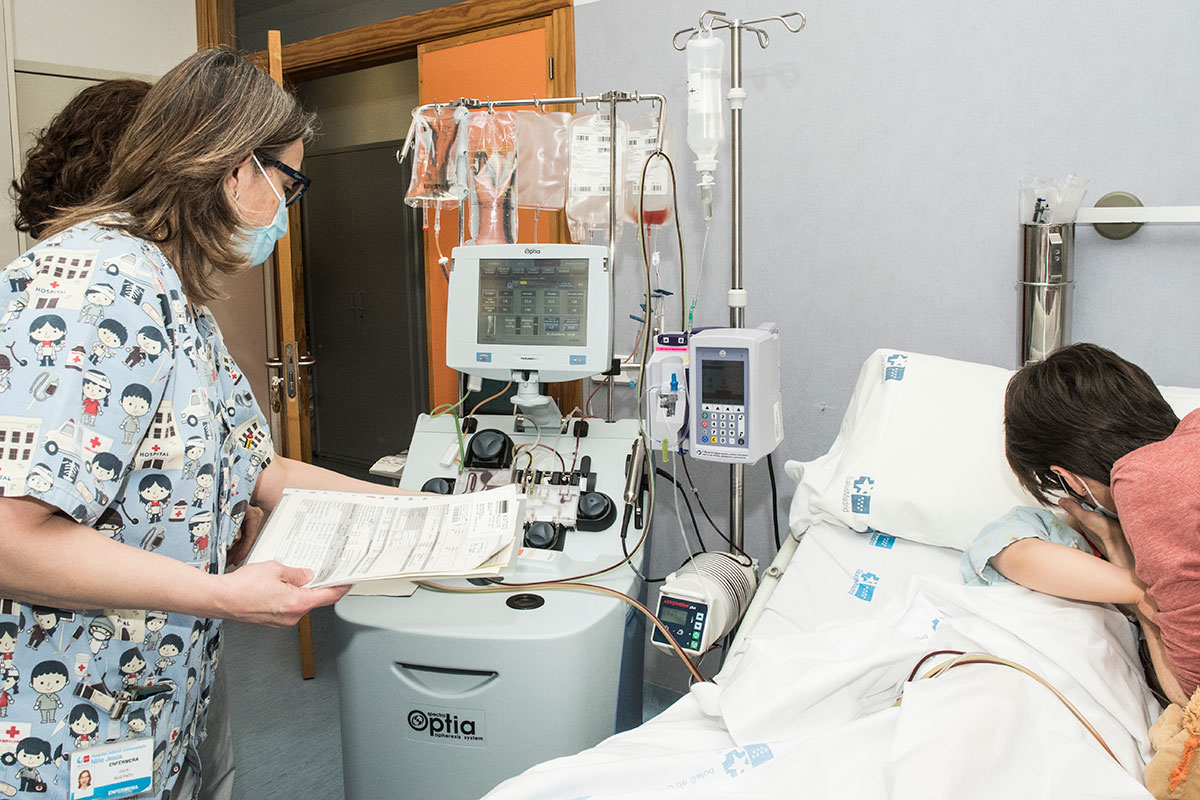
(1020, 523)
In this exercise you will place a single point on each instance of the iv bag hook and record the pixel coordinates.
(716, 20)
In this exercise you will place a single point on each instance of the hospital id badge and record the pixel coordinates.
(122, 769)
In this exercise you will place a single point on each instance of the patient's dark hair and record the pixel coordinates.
(72, 156)
(1082, 409)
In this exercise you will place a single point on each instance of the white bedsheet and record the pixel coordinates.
(807, 709)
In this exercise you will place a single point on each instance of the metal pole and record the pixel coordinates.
(737, 312)
(612, 226)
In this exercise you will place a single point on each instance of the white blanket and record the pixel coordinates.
(810, 713)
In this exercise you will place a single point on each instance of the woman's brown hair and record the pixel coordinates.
(72, 156)
(1081, 409)
(168, 182)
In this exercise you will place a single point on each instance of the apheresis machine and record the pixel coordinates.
(458, 690)
(451, 690)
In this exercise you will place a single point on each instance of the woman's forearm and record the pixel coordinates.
(49, 559)
(1063, 571)
(288, 473)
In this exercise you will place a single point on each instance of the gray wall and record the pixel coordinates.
(362, 107)
(884, 145)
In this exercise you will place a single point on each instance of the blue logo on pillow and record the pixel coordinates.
(884, 540)
(864, 585)
(738, 761)
(860, 494)
(893, 367)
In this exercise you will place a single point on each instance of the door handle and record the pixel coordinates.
(273, 363)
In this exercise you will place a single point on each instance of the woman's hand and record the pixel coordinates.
(1105, 531)
(270, 594)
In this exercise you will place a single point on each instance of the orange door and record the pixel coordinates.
(508, 62)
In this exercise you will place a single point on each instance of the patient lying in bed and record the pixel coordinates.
(1089, 425)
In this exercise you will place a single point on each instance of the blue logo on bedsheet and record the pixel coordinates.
(738, 761)
(893, 367)
(884, 540)
(860, 490)
(864, 585)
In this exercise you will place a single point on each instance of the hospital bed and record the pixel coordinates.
(821, 695)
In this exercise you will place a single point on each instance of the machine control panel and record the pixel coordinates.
(723, 402)
(735, 404)
(685, 619)
(723, 425)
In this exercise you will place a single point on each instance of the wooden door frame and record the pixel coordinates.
(398, 39)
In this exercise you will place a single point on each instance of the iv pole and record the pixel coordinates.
(710, 21)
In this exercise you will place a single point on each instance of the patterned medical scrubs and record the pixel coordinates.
(119, 405)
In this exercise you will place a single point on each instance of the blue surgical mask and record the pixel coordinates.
(258, 243)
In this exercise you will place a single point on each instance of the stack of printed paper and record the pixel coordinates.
(372, 540)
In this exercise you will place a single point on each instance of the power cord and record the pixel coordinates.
(774, 501)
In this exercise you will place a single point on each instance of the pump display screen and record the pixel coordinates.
(722, 382)
(534, 301)
(672, 615)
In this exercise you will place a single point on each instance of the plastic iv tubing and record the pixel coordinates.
(987, 658)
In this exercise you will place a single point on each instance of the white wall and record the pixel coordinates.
(884, 145)
(139, 37)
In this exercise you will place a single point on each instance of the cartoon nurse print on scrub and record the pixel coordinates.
(48, 335)
(96, 388)
(154, 490)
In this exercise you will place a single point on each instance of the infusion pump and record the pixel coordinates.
(715, 392)
(735, 407)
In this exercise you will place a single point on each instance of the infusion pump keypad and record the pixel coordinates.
(723, 425)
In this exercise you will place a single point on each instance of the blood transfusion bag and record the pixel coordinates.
(643, 141)
(492, 175)
(438, 138)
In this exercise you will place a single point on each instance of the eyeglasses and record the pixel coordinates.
(299, 185)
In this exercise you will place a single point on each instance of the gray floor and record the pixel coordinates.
(287, 730)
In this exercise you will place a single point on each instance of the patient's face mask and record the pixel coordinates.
(1094, 506)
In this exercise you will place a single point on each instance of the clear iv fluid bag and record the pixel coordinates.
(705, 127)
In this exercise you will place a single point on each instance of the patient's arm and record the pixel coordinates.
(1066, 572)
(1063, 571)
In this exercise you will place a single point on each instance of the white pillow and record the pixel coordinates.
(1183, 401)
(920, 453)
